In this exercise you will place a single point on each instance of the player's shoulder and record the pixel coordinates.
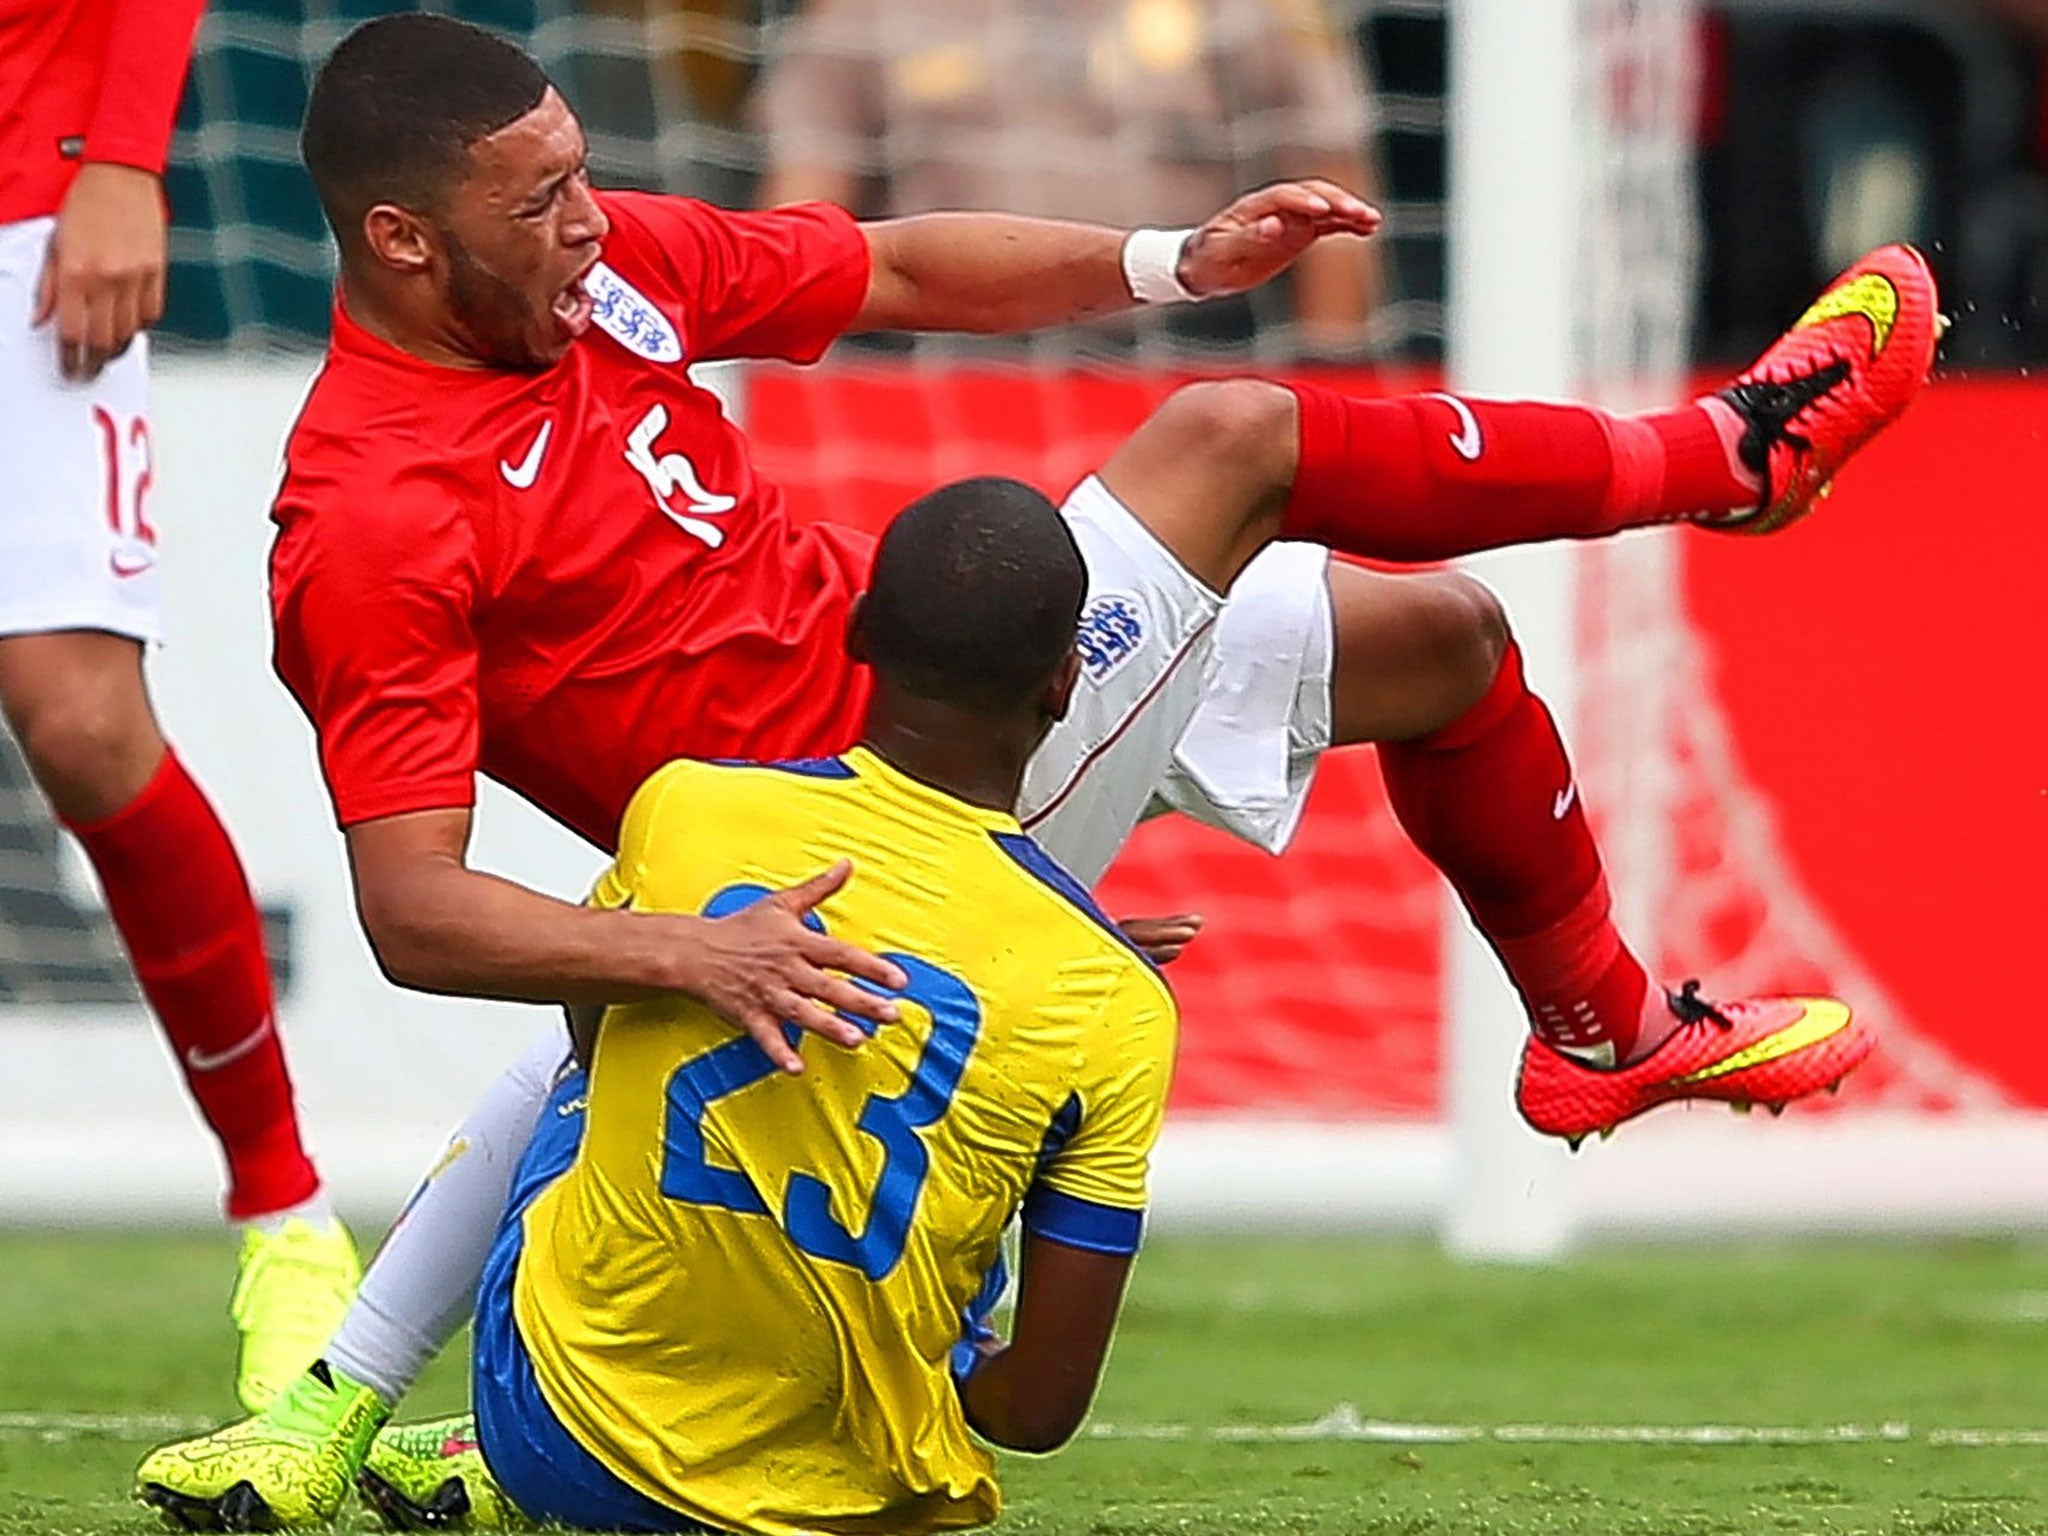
(701, 789)
(369, 458)
(352, 402)
(367, 487)
(653, 234)
(665, 237)
(352, 438)
(641, 216)
(1073, 927)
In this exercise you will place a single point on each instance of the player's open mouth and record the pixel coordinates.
(572, 307)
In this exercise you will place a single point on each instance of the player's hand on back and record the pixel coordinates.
(1262, 234)
(763, 965)
(1162, 939)
(103, 279)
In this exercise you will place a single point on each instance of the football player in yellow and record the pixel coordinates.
(725, 1295)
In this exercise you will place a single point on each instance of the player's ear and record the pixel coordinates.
(1059, 689)
(399, 239)
(856, 637)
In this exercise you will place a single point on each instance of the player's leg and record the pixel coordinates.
(299, 1456)
(1425, 666)
(1486, 790)
(1225, 467)
(421, 1284)
(1479, 779)
(78, 599)
(1209, 481)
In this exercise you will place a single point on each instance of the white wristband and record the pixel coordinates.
(1152, 266)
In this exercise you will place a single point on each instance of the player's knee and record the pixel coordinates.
(1464, 630)
(1249, 425)
(91, 749)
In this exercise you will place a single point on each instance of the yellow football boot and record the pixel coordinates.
(288, 1468)
(295, 1284)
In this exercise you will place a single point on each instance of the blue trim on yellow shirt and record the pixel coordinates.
(803, 767)
(977, 1320)
(1035, 861)
(1082, 1223)
(1060, 1130)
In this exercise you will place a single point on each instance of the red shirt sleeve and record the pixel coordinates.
(147, 52)
(372, 596)
(781, 284)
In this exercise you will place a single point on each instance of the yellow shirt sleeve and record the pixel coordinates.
(1091, 1192)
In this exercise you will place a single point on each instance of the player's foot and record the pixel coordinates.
(287, 1469)
(1768, 1050)
(1845, 371)
(294, 1286)
(432, 1477)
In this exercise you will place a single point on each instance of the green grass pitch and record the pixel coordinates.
(1223, 1413)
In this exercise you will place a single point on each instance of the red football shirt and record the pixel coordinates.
(86, 80)
(565, 579)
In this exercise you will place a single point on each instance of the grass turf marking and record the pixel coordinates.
(1345, 1422)
(52, 1428)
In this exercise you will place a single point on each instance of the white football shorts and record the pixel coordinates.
(77, 547)
(1216, 707)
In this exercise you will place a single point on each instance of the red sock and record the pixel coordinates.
(1430, 478)
(1491, 800)
(179, 897)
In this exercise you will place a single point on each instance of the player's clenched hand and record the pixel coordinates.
(1261, 234)
(103, 279)
(763, 965)
(1162, 938)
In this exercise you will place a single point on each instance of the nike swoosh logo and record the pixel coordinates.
(455, 1445)
(213, 1061)
(1824, 1017)
(1466, 443)
(1563, 803)
(528, 469)
(126, 568)
(1872, 296)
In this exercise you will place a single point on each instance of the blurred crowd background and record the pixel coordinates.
(1823, 127)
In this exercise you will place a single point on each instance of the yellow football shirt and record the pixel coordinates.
(744, 1295)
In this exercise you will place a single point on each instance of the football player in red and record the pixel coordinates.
(88, 89)
(515, 538)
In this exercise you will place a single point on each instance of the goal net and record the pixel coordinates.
(1315, 1082)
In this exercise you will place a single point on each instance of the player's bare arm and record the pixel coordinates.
(437, 925)
(103, 280)
(1031, 1394)
(995, 272)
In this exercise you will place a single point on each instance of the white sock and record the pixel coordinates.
(422, 1284)
(315, 1210)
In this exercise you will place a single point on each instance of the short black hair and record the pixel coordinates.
(976, 593)
(396, 107)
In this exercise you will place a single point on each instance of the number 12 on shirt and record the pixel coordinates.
(893, 1120)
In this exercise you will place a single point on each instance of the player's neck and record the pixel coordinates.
(975, 760)
(390, 322)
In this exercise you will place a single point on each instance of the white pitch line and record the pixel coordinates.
(1990, 1437)
(1345, 1422)
(54, 1428)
